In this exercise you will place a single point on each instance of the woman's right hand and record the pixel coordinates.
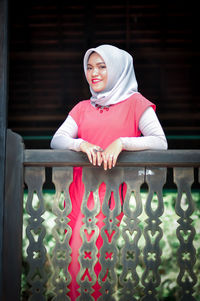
(93, 152)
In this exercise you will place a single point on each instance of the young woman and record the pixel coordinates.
(116, 117)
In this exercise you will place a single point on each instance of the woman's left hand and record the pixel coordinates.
(111, 153)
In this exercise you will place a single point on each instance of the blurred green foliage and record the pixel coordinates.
(169, 270)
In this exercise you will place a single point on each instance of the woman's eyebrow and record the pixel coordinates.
(100, 63)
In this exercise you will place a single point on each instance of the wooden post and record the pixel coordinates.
(13, 216)
(3, 122)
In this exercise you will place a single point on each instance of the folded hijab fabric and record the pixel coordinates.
(121, 82)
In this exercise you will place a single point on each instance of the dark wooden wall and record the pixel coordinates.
(48, 40)
(3, 125)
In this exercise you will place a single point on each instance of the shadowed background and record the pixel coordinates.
(47, 42)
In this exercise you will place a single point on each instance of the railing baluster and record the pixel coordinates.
(62, 177)
(184, 177)
(37, 278)
(88, 251)
(133, 177)
(155, 178)
(110, 234)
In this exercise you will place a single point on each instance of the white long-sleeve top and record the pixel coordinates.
(149, 125)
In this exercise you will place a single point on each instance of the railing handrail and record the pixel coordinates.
(166, 158)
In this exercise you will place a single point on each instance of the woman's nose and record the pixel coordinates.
(95, 71)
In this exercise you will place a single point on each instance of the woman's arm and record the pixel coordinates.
(153, 135)
(66, 136)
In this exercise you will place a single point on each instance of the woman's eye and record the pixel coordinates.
(103, 66)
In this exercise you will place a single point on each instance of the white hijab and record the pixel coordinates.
(121, 82)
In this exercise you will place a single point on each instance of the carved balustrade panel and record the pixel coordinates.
(61, 257)
(155, 178)
(110, 233)
(89, 233)
(93, 178)
(131, 233)
(184, 177)
(35, 231)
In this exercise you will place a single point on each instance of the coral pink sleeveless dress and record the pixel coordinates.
(100, 127)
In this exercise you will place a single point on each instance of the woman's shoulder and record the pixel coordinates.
(137, 99)
(79, 109)
(82, 103)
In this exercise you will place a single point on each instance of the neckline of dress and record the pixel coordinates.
(101, 109)
(97, 106)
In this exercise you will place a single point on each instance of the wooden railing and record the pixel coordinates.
(155, 169)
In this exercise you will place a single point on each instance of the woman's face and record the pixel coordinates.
(96, 72)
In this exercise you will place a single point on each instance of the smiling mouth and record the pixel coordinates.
(96, 81)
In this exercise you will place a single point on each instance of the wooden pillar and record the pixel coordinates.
(3, 122)
(13, 215)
